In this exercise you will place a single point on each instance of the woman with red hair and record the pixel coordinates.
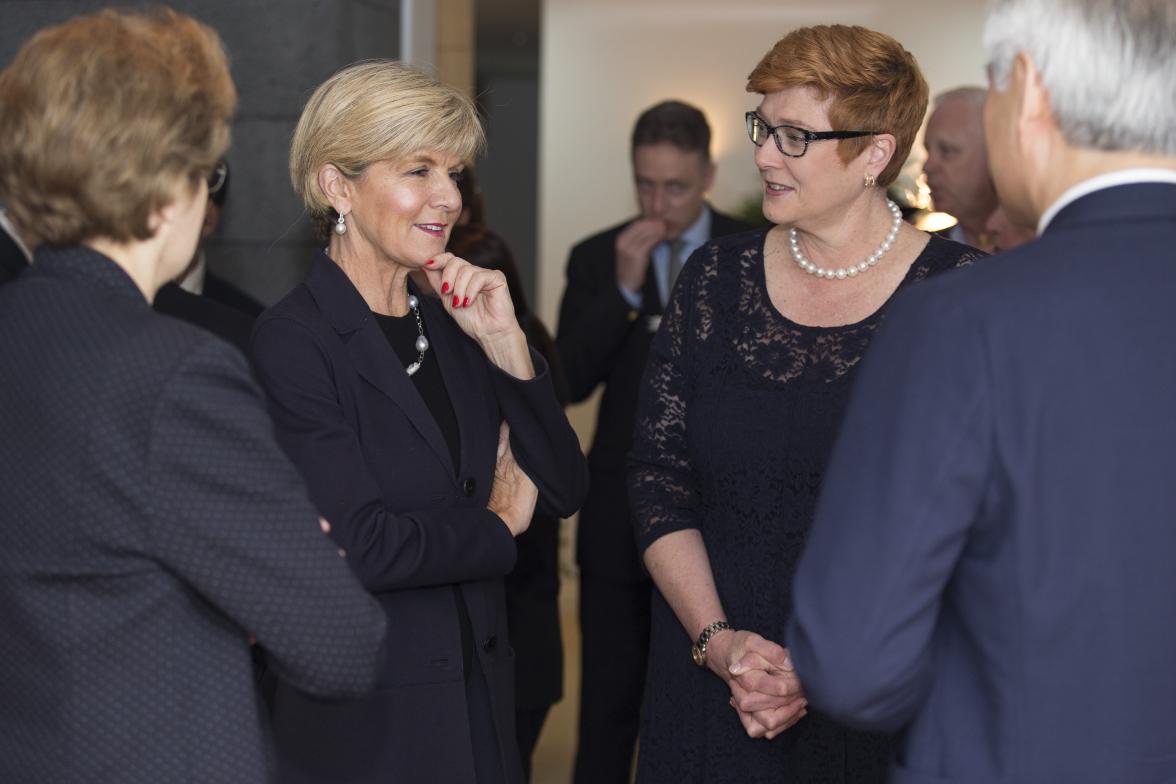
(745, 388)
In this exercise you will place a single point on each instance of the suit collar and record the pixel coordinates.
(1118, 203)
(367, 346)
(336, 296)
(708, 225)
(10, 237)
(77, 262)
(699, 232)
(651, 293)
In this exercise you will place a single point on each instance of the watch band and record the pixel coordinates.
(699, 648)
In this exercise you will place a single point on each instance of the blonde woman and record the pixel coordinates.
(425, 429)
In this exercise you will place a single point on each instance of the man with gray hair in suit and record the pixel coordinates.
(991, 566)
(957, 164)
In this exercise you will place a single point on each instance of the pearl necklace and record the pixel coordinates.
(841, 273)
(422, 342)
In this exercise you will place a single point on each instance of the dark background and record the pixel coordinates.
(279, 51)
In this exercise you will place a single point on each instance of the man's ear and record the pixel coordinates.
(709, 180)
(1038, 134)
(1034, 110)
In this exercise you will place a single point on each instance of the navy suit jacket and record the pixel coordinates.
(602, 339)
(412, 523)
(227, 323)
(991, 565)
(149, 524)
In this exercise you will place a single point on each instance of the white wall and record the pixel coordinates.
(603, 61)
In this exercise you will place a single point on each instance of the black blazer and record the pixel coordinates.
(149, 524)
(221, 320)
(604, 340)
(411, 522)
(991, 565)
(220, 290)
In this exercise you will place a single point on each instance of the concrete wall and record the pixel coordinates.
(508, 96)
(279, 50)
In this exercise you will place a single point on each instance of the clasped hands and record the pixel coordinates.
(765, 691)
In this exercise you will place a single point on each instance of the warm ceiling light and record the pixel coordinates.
(927, 220)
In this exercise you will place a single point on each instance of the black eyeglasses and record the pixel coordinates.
(217, 177)
(790, 140)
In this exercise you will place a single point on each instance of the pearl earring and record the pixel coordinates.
(341, 226)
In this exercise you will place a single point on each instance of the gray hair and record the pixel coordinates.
(969, 93)
(1107, 64)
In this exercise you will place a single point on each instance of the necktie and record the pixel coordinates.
(675, 265)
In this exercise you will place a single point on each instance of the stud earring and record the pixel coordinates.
(341, 226)
(869, 181)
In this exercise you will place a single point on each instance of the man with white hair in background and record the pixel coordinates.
(957, 164)
(991, 566)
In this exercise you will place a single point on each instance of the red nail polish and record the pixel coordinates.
(427, 263)
(465, 302)
(455, 302)
(444, 288)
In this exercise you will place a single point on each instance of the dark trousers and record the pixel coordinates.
(614, 627)
(528, 726)
(487, 758)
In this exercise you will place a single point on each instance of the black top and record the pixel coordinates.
(402, 333)
(736, 421)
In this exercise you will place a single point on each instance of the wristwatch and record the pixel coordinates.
(699, 649)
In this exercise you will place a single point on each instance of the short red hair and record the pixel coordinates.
(874, 82)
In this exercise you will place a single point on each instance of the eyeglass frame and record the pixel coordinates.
(217, 177)
(809, 136)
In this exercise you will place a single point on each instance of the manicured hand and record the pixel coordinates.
(478, 298)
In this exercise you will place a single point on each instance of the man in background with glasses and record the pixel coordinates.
(201, 298)
(617, 284)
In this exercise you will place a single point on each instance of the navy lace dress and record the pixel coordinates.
(736, 422)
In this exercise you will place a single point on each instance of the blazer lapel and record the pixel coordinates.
(651, 302)
(370, 353)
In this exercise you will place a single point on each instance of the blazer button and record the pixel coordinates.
(469, 486)
(489, 644)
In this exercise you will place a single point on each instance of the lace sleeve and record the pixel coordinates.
(663, 496)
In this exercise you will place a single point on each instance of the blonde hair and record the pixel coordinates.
(373, 111)
(875, 83)
(102, 114)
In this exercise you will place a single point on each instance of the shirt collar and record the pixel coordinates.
(698, 232)
(10, 230)
(1098, 183)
